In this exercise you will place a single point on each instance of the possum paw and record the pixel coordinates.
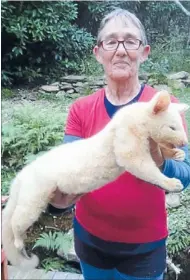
(179, 155)
(19, 244)
(173, 185)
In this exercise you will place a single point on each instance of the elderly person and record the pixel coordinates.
(120, 230)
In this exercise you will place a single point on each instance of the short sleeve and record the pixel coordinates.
(74, 120)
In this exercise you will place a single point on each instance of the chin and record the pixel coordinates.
(120, 75)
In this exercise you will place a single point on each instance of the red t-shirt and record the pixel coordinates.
(128, 209)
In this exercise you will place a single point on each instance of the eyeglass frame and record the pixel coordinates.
(120, 42)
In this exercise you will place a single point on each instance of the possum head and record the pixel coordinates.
(165, 122)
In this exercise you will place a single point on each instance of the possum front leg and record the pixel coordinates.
(145, 169)
(139, 163)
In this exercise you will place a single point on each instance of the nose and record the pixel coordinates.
(121, 49)
(184, 142)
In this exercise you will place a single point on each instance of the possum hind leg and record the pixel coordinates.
(24, 216)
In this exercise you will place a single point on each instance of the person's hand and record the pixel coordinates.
(156, 153)
(61, 200)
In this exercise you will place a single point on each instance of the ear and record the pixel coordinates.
(145, 54)
(96, 52)
(161, 102)
(181, 107)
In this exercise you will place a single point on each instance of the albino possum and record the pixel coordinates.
(87, 164)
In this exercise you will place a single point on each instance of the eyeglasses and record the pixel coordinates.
(113, 44)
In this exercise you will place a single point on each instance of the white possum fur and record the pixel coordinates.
(87, 164)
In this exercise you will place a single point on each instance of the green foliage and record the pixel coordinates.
(179, 225)
(90, 66)
(6, 178)
(30, 131)
(39, 35)
(44, 41)
(55, 241)
(53, 264)
(7, 93)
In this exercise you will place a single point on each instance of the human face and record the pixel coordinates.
(121, 64)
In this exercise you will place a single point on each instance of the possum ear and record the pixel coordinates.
(160, 102)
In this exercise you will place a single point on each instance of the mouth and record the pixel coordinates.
(167, 145)
(121, 63)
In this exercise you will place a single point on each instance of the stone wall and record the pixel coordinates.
(82, 85)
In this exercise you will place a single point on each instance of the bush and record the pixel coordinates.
(37, 36)
(30, 131)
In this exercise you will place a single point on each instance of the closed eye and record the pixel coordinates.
(172, 127)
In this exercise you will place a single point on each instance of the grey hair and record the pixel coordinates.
(125, 16)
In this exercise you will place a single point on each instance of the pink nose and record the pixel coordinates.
(184, 142)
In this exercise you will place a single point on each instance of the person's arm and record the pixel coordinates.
(176, 169)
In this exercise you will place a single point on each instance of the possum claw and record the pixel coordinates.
(24, 253)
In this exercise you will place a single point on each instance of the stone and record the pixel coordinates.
(79, 84)
(55, 84)
(71, 255)
(66, 86)
(97, 83)
(61, 93)
(186, 82)
(75, 95)
(70, 91)
(143, 76)
(178, 76)
(176, 84)
(172, 200)
(50, 88)
(74, 78)
(163, 87)
(79, 89)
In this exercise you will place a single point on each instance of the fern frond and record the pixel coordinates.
(64, 242)
(46, 240)
(52, 264)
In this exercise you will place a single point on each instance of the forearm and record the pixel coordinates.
(177, 169)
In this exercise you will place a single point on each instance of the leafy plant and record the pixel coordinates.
(53, 264)
(39, 35)
(7, 93)
(30, 131)
(55, 241)
(7, 176)
(179, 226)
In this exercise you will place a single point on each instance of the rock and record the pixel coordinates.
(55, 84)
(61, 93)
(66, 86)
(71, 255)
(79, 89)
(176, 84)
(50, 88)
(186, 82)
(97, 83)
(143, 76)
(178, 76)
(70, 91)
(79, 84)
(74, 78)
(163, 87)
(172, 200)
(75, 95)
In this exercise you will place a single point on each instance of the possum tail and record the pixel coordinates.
(14, 255)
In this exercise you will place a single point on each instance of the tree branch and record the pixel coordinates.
(178, 3)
